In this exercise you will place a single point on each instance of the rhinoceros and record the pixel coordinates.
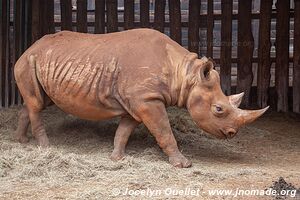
(133, 75)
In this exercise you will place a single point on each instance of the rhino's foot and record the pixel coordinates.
(117, 155)
(43, 141)
(22, 139)
(180, 161)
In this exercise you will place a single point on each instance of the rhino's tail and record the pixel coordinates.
(27, 81)
(38, 90)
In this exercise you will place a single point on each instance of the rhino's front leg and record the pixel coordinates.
(125, 128)
(155, 117)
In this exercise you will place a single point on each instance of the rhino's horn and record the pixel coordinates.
(236, 99)
(248, 116)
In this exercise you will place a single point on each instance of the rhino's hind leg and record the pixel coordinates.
(125, 128)
(38, 130)
(31, 114)
(23, 123)
(35, 101)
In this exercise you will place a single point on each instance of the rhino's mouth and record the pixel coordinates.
(222, 134)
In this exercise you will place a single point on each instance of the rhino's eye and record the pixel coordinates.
(217, 109)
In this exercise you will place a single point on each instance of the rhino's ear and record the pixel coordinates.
(205, 69)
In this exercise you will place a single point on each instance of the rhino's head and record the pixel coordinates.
(211, 110)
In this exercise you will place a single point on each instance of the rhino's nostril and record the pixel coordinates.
(231, 132)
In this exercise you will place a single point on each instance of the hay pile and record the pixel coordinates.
(77, 165)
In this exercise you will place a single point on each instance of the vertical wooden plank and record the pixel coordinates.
(50, 16)
(264, 47)
(3, 51)
(82, 16)
(226, 46)
(193, 25)
(17, 40)
(7, 60)
(46, 11)
(175, 20)
(99, 16)
(210, 27)
(296, 70)
(282, 54)
(66, 14)
(27, 24)
(112, 15)
(43, 17)
(245, 50)
(26, 32)
(128, 14)
(18, 14)
(159, 15)
(35, 20)
(144, 13)
(16, 45)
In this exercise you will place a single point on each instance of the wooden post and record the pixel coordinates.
(66, 14)
(245, 50)
(159, 15)
(7, 60)
(282, 54)
(36, 23)
(17, 43)
(193, 32)
(27, 24)
(226, 46)
(46, 11)
(42, 11)
(264, 47)
(175, 20)
(128, 14)
(25, 32)
(3, 50)
(112, 15)
(99, 16)
(210, 27)
(82, 16)
(50, 16)
(144, 13)
(296, 71)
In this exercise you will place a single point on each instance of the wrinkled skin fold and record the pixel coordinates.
(134, 75)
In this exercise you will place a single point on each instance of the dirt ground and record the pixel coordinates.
(77, 165)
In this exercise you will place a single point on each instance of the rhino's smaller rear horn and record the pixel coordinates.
(236, 99)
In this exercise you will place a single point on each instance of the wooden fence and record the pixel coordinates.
(25, 21)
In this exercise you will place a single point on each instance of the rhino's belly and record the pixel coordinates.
(84, 108)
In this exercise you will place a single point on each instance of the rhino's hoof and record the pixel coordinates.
(22, 139)
(180, 162)
(43, 141)
(116, 155)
